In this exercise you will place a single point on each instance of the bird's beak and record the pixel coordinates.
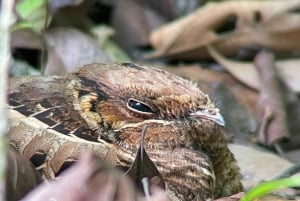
(213, 115)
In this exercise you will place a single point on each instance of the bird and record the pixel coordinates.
(103, 108)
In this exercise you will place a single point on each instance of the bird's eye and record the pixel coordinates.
(138, 106)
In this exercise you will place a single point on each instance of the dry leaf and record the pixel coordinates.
(147, 15)
(229, 26)
(92, 180)
(27, 39)
(69, 48)
(271, 104)
(288, 70)
(57, 4)
(87, 180)
(21, 177)
(131, 33)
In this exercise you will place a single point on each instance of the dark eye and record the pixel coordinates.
(138, 106)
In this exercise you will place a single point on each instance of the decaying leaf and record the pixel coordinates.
(271, 104)
(69, 48)
(66, 48)
(57, 4)
(147, 15)
(21, 176)
(92, 180)
(27, 39)
(87, 180)
(130, 33)
(230, 26)
(288, 70)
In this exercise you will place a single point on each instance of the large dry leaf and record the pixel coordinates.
(54, 5)
(288, 71)
(245, 72)
(133, 22)
(251, 24)
(69, 48)
(21, 176)
(271, 104)
(147, 15)
(26, 39)
(66, 48)
(92, 180)
(87, 180)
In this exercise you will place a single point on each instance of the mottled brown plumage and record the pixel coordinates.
(104, 107)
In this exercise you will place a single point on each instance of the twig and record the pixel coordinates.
(6, 20)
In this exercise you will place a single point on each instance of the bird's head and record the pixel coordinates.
(124, 98)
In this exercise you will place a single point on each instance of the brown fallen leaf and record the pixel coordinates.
(21, 176)
(26, 39)
(278, 108)
(288, 70)
(57, 4)
(147, 15)
(66, 48)
(271, 104)
(87, 180)
(69, 48)
(134, 33)
(230, 26)
(91, 180)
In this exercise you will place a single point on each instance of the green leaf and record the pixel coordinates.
(269, 186)
(33, 13)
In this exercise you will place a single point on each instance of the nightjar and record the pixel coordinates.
(104, 107)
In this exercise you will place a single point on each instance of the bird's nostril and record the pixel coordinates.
(211, 111)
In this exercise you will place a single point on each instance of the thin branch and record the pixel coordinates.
(6, 20)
